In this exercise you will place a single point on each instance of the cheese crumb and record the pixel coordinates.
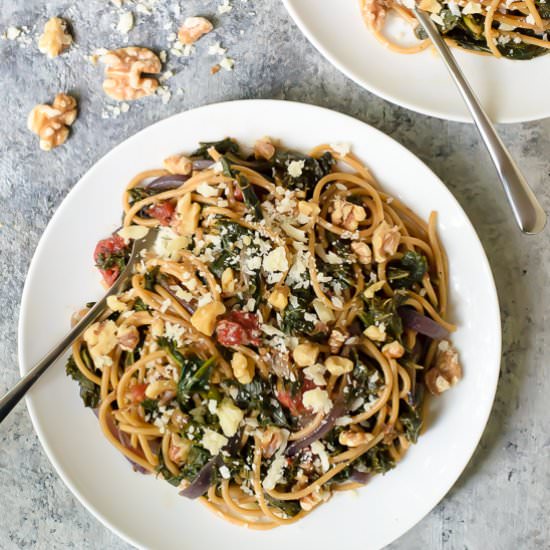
(276, 260)
(125, 22)
(319, 449)
(213, 441)
(295, 168)
(342, 149)
(317, 400)
(225, 7)
(227, 63)
(274, 473)
(230, 417)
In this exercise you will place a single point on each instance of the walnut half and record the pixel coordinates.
(447, 370)
(51, 123)
(124, 72)
(56, 38)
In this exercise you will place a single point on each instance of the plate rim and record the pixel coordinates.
(24, 308)
(361, 82)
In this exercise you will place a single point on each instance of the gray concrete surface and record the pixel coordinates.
(502, 500)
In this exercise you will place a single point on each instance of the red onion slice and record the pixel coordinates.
(324, 427)
(124, 441)
(202, 164)
(360, 477)
(422, 324)
(200, 484)
(167, 183)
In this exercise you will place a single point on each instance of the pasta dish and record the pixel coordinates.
(275, 344)
(516, 29)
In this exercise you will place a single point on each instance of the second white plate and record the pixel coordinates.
(511, 91)
(148, 512)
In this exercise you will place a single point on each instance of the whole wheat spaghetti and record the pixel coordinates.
(274, 345)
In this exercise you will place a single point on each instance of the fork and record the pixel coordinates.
(13, 396)
(527, 211)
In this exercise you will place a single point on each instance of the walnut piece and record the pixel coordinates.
(347, 215)
(51, 123)
(314, 498)
(337, 339)
(124, 73)
(447, 370)
(264, 149)
(56, 37)
(128, 337)
(243, 367)
(178, 164)
(204, 318)
(362, 251)
(374, 12)
(393, 350)
(194, 28)
(187, 216)
(385, 241)
(179, 449)
(351, 438)
(270, 440)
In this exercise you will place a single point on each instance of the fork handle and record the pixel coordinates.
(527, 211)
(10, 399)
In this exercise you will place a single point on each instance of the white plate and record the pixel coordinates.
(511, 91)
(148, 512)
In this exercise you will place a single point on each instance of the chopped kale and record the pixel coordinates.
(89, 391)
(384, 310)
(312, 171)
(379, 460)
(289, 507)
(112, 260)
(194, 371)
(140, 305)
(260, 395)
(151, 278)
(408, 270)
(341, 273)
(412, 422)
(250, 198)
(150, 406)
(139, 193)
(196, 460)
(224, 146)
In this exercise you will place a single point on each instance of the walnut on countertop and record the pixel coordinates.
(51, 122)
(124, 72)
(56, 37)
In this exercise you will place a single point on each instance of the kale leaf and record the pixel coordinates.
(195, 462)
(250, 198)
(140, 305)
(412, 422)
(312, 171)
(223, 146)
(379, 460)
(259, 395)
(151, 278)
(150, 406)
(384, 310)
(408, 270)
(289, 507)
(89, 391)
(194, 371)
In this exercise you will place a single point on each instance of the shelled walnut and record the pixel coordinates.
(51, 122)
(125, 70)
(56, 37)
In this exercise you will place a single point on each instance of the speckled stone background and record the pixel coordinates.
(502, 500)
